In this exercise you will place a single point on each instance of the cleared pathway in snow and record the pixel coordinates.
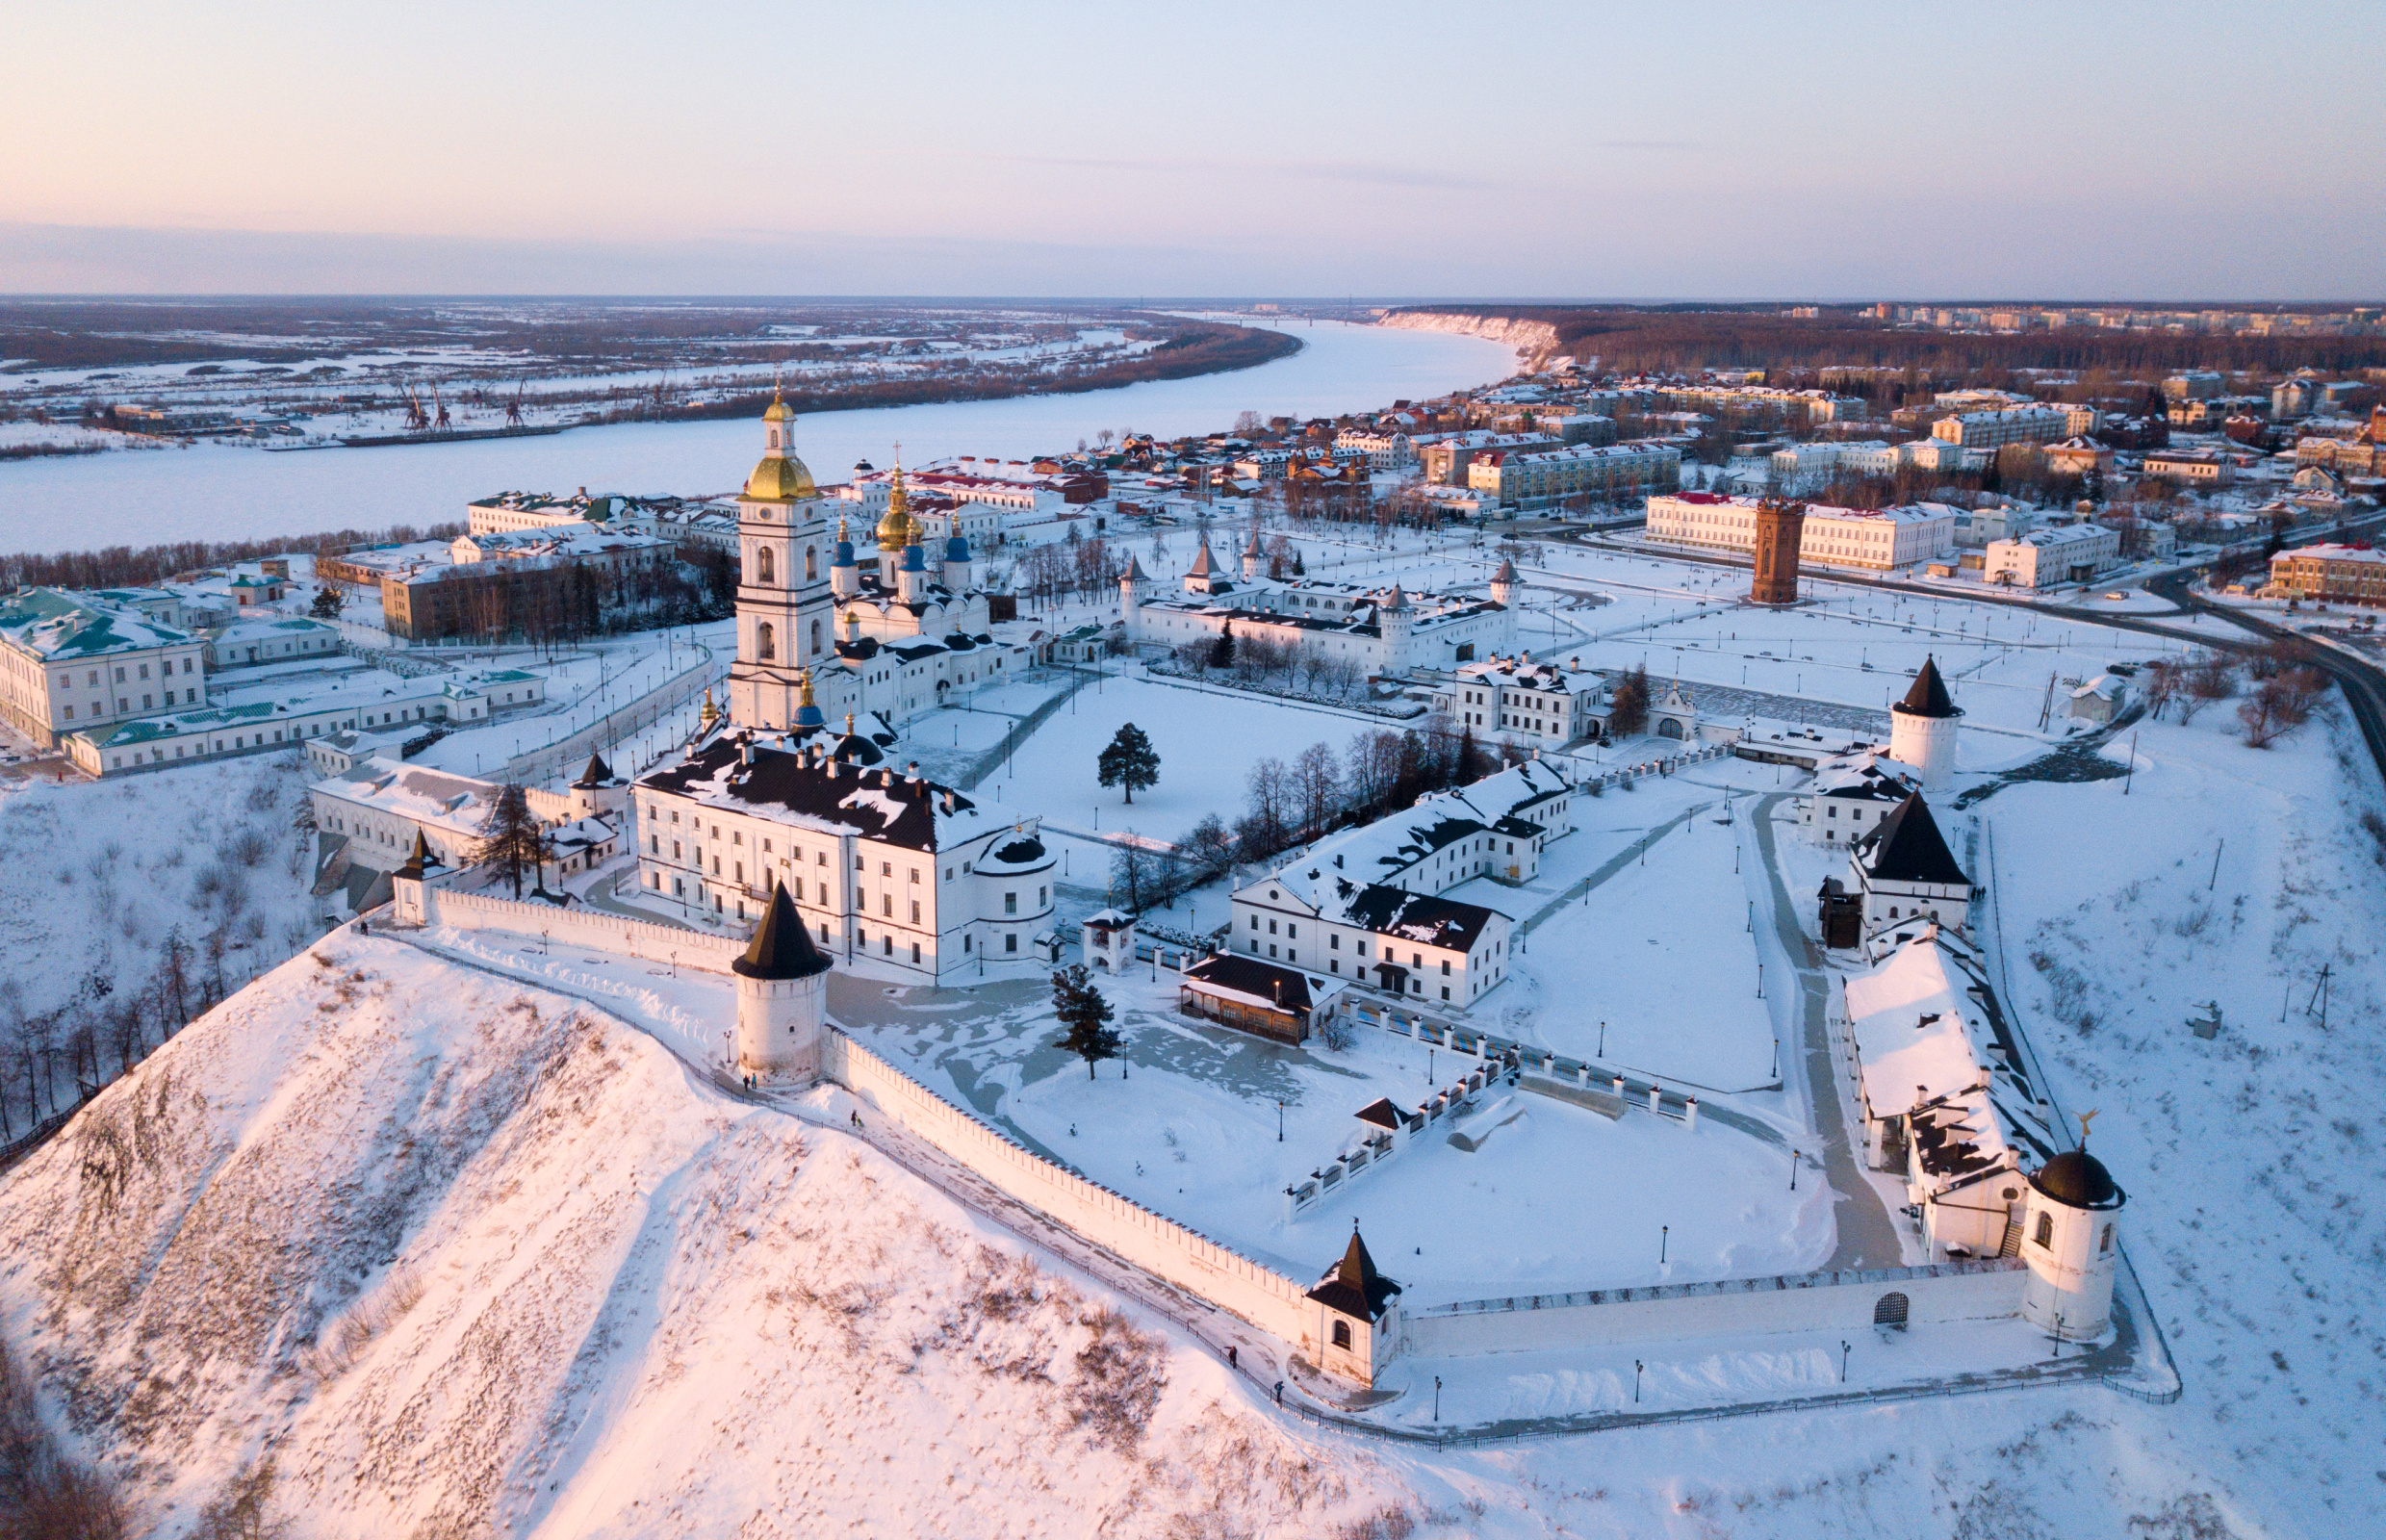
(1867, 1239)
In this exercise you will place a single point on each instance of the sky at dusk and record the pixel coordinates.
(1543, 150)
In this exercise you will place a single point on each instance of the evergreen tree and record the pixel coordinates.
(1129, 761)
(1082, 1010)
(1628, 708)
(1222, 651)
(512, 838)
(327, 601)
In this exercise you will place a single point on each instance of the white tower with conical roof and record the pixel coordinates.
(782, 993)
(1922, 727)
(1133, 584)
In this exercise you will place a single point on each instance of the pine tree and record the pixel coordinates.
(512, 839)
(1222, 651)
(1130, 761)
(1082, 1010)
(327, 601)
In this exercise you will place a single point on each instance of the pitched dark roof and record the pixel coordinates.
(782, 948)
(1929, 696)
(1907, 847)
(1380, 1113)
(1352, 1285)
(1288, 988)
(1417, 916)
(877, 804)
(597, 772)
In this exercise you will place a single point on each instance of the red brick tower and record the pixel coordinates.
(1779, 522)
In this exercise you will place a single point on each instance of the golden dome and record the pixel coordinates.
(779, 411)
(780, 479)
(896, 530)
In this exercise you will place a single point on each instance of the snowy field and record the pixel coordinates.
(1562, 1198)
(217, 492)
(1208, 741)
(1658, 952)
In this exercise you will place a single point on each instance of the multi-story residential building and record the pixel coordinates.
(1366, 904)
(880, 863)
(2330, 574)
(2193, 469)
(1385, 449)
(2066, 553)
(1875, 539)
(512, 583)
(1538, 478)
(2013, 425)
(2195, 384)
(1445, 457)
(69, 665)
(2078, 456)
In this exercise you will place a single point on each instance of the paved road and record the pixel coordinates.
(1867, 1236)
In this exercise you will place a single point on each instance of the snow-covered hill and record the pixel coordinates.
(458, 1257)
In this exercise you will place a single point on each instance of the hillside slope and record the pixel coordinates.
(458, 1257)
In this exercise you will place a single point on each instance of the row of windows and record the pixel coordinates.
(66, 681)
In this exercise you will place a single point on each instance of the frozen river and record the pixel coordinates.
(218, 492)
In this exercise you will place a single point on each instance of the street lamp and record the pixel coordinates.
(1843, 1362)
(1665, 1233)
(1279, 1122)
(1637, 1367)
(1437, 1397)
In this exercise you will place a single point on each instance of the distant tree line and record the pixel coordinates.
(132, 567)
(1688, 339)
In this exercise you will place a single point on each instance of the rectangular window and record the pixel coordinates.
(1010, 902)
(1011, 944)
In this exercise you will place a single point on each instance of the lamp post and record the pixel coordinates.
(1665, 1235)
(1843, 1362)
(1637, 1367)
(1279, 1122)
(1437, 1397)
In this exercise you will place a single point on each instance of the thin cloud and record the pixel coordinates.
(1318, 170)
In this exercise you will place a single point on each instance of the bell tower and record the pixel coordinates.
(784, 602)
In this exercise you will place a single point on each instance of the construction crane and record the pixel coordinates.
(513, 408)
(417, 420)
(438, 401)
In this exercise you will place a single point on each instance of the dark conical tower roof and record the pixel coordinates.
(1353, 1285)
(1907, 847)
(782, 948)
(597, 772)
(418, 858)
(1929, 696)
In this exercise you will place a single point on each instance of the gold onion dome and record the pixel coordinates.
(896, 530)
(779, 477)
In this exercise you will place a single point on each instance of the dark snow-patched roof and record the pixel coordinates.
(1417, 918)
(1285, 987)
(877, 804)
(1907, 847)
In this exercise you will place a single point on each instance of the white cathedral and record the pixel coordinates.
(1385, 630)
(820, 635)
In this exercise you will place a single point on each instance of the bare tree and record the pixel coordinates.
(2210, 677)
(1316, 779)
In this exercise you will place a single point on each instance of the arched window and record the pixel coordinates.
(1891, 1310)
(815, 652)
(1342, 1334)
(762, 567)
(811, 563)
(765, 642)
(2045, 1229)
